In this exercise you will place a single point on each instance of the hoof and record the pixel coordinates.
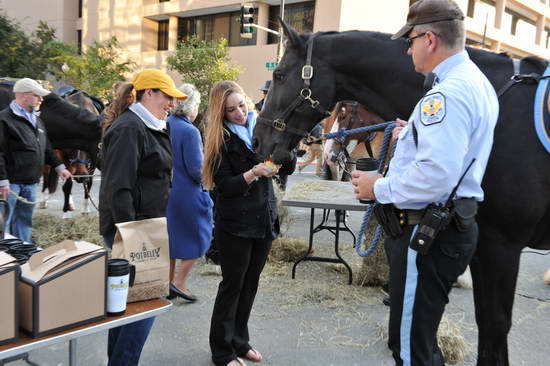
(72, 207)
(85, 213)
(547, 277)
(43, 205)
(66, 215)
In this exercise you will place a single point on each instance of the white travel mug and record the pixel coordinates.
(120, 278)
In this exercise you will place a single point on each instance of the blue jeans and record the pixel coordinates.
(126, 342)
(19, 220)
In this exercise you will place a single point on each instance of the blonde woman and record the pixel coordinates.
(246, 219)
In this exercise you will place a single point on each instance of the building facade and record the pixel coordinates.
(148, 30)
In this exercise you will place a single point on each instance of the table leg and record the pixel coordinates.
(349, 230)
(72, 352)
(311, 229)
(337, 242)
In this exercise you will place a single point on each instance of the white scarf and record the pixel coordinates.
(147, 117)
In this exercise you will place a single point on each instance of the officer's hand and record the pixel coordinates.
(400, 124)
(364, 183)
(4, 192)
(65, 174)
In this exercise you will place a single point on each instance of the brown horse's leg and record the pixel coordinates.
(494, 271)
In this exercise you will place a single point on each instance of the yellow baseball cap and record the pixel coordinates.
(156, 79)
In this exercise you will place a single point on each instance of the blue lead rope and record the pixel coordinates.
(387, 127)
(343, 133)
(383, 158)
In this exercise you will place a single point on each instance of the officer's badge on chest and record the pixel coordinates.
(432, 109)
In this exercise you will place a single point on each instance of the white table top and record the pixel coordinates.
(323, 194)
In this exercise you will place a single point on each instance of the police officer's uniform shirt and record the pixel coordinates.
(455, 122)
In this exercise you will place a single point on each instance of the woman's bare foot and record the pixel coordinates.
(253, 355)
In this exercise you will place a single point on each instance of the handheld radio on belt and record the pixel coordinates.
(435, 219)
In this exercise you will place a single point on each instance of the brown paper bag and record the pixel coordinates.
(144, 244)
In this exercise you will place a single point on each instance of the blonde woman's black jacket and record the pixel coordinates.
(244, 210)
(136, 174)
(23, 149)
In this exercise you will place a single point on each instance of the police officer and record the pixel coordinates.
(450, 126)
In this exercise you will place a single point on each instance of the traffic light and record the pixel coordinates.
(247, 18)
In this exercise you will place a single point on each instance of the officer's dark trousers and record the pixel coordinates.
(242, 261)
(419, 289)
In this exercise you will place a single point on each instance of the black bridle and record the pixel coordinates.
(280, 124)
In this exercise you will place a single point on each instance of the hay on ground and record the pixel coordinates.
(285, 249)
(49, 230)
(450, 340)
(375, 269)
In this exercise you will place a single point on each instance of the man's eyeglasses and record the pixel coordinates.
(411, 39)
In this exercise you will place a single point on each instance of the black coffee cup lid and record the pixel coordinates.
(115, 262)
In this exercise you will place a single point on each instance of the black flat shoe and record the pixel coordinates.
(176, 292)
(386, 301)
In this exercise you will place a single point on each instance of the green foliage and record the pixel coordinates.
(40, 56)
(203, 63)
(95, 70)
(15, 45)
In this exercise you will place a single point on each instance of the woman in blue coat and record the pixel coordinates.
(189, 211)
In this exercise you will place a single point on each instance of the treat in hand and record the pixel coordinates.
(271, 165)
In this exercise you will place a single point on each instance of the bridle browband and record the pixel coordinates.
(280, 124)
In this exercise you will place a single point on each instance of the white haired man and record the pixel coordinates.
(24, 148)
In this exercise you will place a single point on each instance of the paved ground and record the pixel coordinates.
(316, 319)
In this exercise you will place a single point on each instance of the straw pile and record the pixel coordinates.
(450, 340)
(285, 249)
(375, 268)
(49, 230)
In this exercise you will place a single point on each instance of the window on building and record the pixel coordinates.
(162, 37)
(299, 16)
(213, 27)
(80, 8)
(79, 41)
(163, 1)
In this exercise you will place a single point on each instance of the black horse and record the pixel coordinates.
(74, 131)
(375, 71)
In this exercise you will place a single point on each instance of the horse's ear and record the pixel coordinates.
(291, 35)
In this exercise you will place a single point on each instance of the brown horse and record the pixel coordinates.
(340, 154)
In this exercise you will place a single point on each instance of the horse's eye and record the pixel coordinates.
(278, 76)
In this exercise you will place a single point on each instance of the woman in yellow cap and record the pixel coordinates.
(135, 179)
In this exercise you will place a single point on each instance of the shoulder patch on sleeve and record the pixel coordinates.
(432, 109)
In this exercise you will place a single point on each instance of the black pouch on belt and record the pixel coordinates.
(465, 211)
(387, 217)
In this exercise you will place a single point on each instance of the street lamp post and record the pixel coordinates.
(281, 33)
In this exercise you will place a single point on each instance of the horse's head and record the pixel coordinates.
(349, 115)
(303, 89)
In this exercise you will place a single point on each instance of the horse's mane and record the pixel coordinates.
(535, 61)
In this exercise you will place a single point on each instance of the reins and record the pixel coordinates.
(520, 78)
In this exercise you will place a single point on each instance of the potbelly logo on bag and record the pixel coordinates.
(146, 253)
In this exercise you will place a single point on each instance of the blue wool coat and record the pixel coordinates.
(189, 211)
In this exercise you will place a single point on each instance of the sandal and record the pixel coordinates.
(253, 355)
(236, 362)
